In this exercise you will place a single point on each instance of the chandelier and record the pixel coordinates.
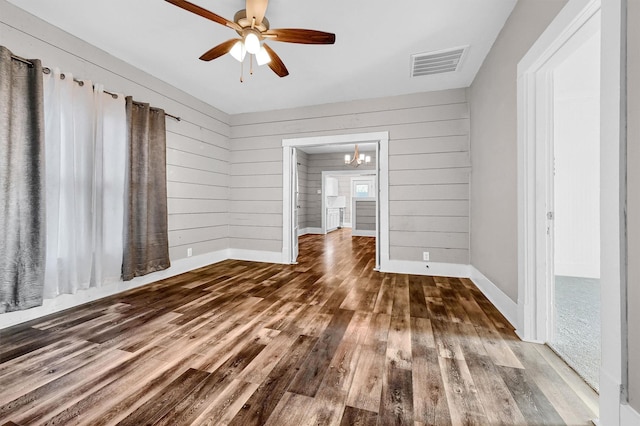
(357, 158)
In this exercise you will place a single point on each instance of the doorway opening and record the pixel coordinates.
(575, 203)
(559, 189)
(294, 199)
(337, 193)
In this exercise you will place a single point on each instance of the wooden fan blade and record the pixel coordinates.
(295, 35)
(256, 9)
(219, 50)
(276, 63)
(193, 8)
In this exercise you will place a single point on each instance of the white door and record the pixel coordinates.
(295, 196)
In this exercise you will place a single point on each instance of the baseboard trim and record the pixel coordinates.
(305, 231)
(420, 268)
(610, 402)
(67, 301)
(257, 256)
(587, 270)
(629, 416)
(356, 233)
(507, 307)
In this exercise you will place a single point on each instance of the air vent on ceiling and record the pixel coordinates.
(436, 62)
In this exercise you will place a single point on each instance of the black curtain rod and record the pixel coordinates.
(47, 70)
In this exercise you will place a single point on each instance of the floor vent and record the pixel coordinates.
(436, 62)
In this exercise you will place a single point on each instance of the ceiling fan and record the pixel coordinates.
(253, 27)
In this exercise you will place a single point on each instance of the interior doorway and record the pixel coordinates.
(337, 196)
(379, 141)
(575, 208)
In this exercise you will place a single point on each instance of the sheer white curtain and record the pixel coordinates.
(76, 141)
(110, 170)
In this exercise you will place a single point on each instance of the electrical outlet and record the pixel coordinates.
(189, 252)
(425, 256)
(319, 191)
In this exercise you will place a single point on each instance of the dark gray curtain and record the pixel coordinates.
(22, 221)
(146, 242)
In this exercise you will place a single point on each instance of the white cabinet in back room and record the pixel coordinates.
(331, 187)
(333, 219)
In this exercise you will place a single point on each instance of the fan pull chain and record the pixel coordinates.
(241, 71)
(251, 64)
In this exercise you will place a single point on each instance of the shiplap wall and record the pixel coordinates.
(197, 147)
(326, 162)
(364, 215)
(428, 169)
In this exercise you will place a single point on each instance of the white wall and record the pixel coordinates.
(428, 169)
(576, 84)
(197, 147)
(492, 99)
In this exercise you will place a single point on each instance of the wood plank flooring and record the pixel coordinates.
(326, 342)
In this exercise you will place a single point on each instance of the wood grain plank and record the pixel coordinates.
(533, 404)
(357, 417)
(366, 387)
(431, 406)
(261, 404)
(384, 301)
(50, 390)
(417, 300)
(165, 400)
(228, 403)
(308, 379)
(200, 398)
(464, 405)
(396, 406)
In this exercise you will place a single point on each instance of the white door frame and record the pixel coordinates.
(533, 115)
(382, 166)
(535, 163)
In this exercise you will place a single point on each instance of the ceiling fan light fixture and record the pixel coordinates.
(252, 43)
(238, 51)
(262, 57)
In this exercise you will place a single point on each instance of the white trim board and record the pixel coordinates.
(362, 233)
(427, 268)
(67, 301)
(629, 416)
(309, 230)
(507, 307)
(257, 256)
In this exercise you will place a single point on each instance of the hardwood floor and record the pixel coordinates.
(326, 342)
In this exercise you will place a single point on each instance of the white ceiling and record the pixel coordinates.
(371, 57)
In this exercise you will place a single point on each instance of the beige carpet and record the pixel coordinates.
(578, 325)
